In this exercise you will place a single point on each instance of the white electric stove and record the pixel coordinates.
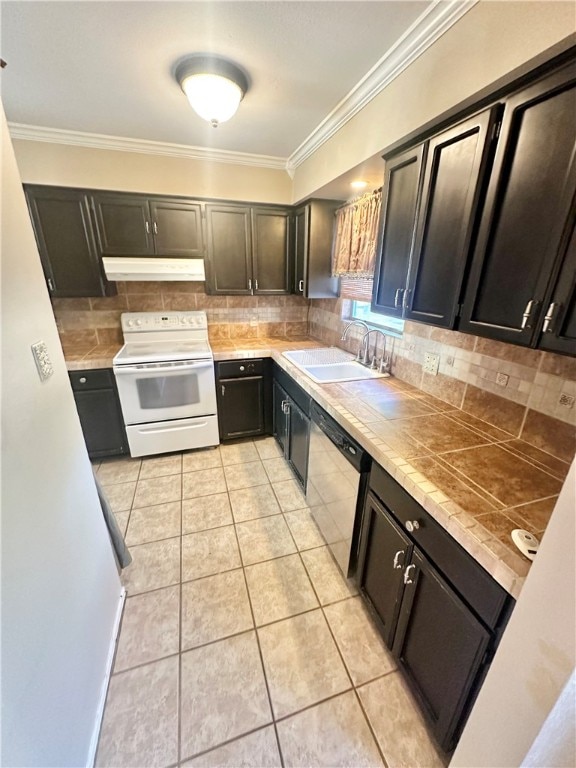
(165, 378)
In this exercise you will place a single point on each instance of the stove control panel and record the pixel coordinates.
(133, 322)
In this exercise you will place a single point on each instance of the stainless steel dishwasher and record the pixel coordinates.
(338, 470)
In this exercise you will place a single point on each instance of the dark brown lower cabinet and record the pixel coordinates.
(243, 396)
(100, 414)
(442, 633)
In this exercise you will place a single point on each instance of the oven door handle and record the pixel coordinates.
(131, 369)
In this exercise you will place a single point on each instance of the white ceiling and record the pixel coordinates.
(107, 67)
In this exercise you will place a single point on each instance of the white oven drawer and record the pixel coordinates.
(167, 436)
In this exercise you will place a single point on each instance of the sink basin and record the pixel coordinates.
(331, 365)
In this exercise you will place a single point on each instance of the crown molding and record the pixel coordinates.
(143, 146)
(432, 24)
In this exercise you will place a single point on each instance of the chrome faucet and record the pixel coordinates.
(362, 324)
(383, 365)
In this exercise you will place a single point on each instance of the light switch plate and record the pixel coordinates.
(431, 363)
(42, 360)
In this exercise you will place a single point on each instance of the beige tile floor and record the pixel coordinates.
(241, 644)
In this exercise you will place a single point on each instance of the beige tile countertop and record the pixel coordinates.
(478, 482)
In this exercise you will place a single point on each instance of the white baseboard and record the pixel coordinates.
(109, 663)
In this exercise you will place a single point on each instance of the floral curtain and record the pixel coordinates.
(356, 232)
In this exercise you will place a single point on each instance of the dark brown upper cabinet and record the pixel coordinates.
(528, 200)
(140, 226)
(456, 164)
(249, 250)
(397, 230)
(558, 322)
(229, 254)
(66, 240)
(313, 233)
(271, 250)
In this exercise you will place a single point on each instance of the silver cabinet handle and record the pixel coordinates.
(256, 285)
(412, 525)
(50, 284)
(250, 284)
(155, 228)
(399, 292)
(406, 293)
(526, 315)
(223, 389)
(397, 564)
(147, 227)
(301, 286)
(82, 380)
(549, 317)
(407, 579)
(285, 406)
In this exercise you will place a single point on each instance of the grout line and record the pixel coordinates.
(226, 743)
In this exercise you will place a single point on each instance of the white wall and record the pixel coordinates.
(60, 586)
(74, 166)
(535, 659)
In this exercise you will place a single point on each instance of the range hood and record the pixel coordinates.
(133, 268)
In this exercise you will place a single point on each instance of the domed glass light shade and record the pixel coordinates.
(214, 87)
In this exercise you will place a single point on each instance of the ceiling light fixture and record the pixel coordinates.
(214, 87)
(358, 184)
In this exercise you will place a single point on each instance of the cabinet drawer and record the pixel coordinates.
(101, 378)
(484, 595)
(232, 369)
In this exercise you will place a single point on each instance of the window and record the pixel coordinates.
(360, 310)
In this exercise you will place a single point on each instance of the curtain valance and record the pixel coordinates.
(356, 232)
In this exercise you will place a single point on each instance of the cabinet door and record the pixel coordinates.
(440, 646)
(271, 250)
(229, 249)
(397, 227)
(559, 323)
(456, 165)
(298, 442)
(384, 553)
(124, 226)
(527, 205)
(177, 228)
(101, 421)
(279, 416)
(240, 407)
(66, 243)
(301, 219)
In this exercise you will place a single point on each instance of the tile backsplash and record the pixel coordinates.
(91, 321)
(527, 401)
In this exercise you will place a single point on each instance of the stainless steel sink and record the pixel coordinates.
(331, 365)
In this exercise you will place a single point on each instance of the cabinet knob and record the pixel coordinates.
(407, 579)
(82, 380)
(242, 368)
(397, 564)
(301, 286)
(412, 525)
(546, 328)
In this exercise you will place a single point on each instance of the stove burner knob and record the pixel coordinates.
(191, 321)
(130, 323)
(138, 322)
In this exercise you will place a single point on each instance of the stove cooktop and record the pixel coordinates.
(162, 351)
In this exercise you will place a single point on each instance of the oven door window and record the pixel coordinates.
(172, 391)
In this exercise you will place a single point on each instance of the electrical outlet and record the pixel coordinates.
(431, 363)
(566, 400)
(502, 379)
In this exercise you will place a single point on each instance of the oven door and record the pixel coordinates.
(151, 392)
